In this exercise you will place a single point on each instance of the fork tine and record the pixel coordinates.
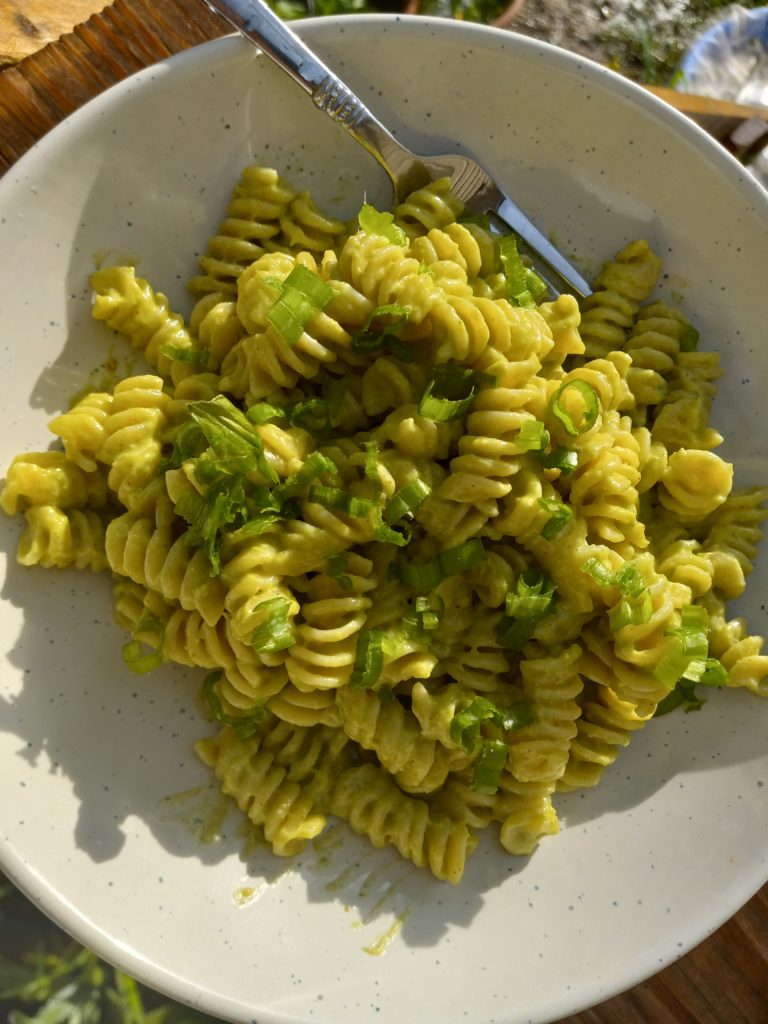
(541, 249)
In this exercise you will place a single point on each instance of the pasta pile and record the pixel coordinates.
(442, 545)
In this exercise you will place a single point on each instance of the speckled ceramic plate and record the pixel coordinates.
(108, 820)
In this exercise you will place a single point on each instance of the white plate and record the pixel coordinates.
(93, 760)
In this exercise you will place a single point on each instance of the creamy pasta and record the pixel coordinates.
(442, 545)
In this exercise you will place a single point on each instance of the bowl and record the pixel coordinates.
(111, 824)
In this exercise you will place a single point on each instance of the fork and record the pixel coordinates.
(407, 171)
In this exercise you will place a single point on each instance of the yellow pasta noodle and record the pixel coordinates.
(439, 545)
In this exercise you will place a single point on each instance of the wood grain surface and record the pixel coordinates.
(26, 26)
(725, 979)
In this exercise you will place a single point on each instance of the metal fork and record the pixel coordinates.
(407, 171)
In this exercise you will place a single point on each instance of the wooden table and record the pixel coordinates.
(725, 979)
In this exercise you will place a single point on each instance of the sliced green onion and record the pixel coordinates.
(425, 618)
(374, 334)
(425, 576)
(533, 436)
(335, 568)
(489, 767)
(683, 693)
(686, 654)
(599, 572)
(276, 632)
(535, 592)
(369, 659)
(715, 673)
(671, 666)
(399, 534)
(303, 295)
(315, 465)
(465, 724)
(524, 286)
(689, 339)
(263, 412)
(406, 500)
(463, 557)
(134, 655)
(533, 597)
(231, 437)
(580, 423)
(139, 662)
(514, 634)
(450, 392)
(421, 576)
(221, 505)
(335, 497)
(188, 442)
(197, 356)
(694, 617)
(258, 524)
(559, 516)
(564, 459)
(244, 726)
(371, 462)
(631, 612)
(627, 579)
(375, 222)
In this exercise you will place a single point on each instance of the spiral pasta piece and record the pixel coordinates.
(56, 538)
(215, 325)
(81, 429)
(374, 806)
(734, 528)
(621, 286)
(285, 797)
(682, 418)
(654, 345)
(433, 206)
(146, 549)
(130, 305)
(324, 652)
(133, 439)
(252, 222)
(605, 726)
(694, 484)
(303, 228)
(418, 764)
(604, 487)
(50, 478)
(539, 752)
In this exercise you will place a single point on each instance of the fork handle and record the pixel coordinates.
(257, 22)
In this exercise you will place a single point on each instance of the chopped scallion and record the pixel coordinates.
(276, 632)
(450, 392)
(559, 517)
(564, 459)
(335, 497)
(489, 767)
(627, 579)
(524, 286)
(533, 436)
(406, 500)
(369, 659)
(375, 222)
(303, 295)
(196, 356)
